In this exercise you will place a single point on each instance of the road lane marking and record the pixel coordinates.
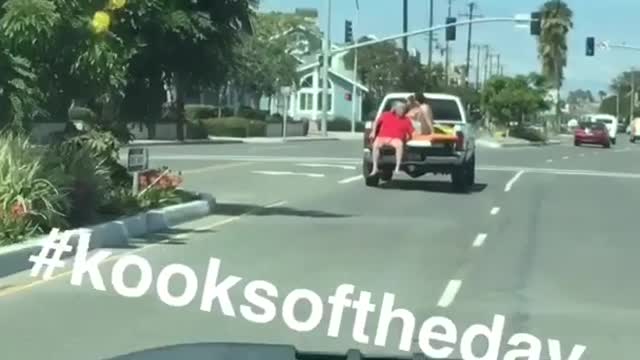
(19, 288)
(216, 167)
(509, 185)
(344, 167)
(479, 240)
(350, 179)
(284, 173)
(449, 293)
(550, 160)
(565, 158)
(495, 211)
(581, 155)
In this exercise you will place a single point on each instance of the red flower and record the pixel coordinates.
(18, 210)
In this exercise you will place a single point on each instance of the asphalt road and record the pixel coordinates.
(548, 238)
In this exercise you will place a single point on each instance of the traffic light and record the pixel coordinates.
(536, 23)
(591, 46)
(451, 30)
(348, 31)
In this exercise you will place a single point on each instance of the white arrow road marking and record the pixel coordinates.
(279, 173)
(345, 167)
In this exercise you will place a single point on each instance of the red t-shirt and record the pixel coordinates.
(394, 126)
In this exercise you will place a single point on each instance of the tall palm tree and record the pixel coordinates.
(552, 43)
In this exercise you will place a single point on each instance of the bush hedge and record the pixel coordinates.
(527, 133)
(234, 127)
(76, 182)
(343, 124)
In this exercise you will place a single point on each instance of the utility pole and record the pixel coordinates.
(478, 48)
(472, 7)
(498, 64)
(632, 96)
(355, 95)
(430, 56)
(487, 49)
(446, 55)
(405, 28)
(325, 71)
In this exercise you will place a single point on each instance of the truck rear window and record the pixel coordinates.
(443, 109)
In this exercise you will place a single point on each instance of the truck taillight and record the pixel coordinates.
(459, 141)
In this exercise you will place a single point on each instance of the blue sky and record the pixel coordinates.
(613, 20)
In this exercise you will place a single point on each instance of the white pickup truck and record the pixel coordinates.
(456, 158)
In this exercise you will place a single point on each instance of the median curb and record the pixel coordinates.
(497, 145)
(138, 143)
(112, 234)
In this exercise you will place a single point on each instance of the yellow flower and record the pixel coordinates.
(101, 21)
(117, 4)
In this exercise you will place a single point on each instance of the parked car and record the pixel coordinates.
(634, 130)
(610, 121)
(594, 133)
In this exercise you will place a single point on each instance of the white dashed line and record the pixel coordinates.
(345, 167)
(449, 293)
(495, 211)
(351, 179)
(479, 241)
(509, 185)
(550, 160)
(277, 173)
(565, 158)
(581, 155)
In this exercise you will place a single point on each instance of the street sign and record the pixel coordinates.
(137, 159)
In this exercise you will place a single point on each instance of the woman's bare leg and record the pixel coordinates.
(375, 155)
(399, 146)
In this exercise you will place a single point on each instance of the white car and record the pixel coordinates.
(634, 130)
(610, 121)
(455, 157)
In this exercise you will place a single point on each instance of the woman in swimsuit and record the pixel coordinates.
(420, 113)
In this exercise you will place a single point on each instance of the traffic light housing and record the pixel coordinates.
(591, 46)
(348, 31)
(536, 23)
(451, 30)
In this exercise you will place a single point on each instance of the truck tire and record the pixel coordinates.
(386, 175)
(460, 177)
(632, 139)
(471, 171)
(613, 141)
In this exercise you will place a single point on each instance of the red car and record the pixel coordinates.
(594, 133)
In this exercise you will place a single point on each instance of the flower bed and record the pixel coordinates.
(77, 182)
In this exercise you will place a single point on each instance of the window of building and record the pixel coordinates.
(330, 97)
(306, 102)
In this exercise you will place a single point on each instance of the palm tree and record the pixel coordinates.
(552, 43)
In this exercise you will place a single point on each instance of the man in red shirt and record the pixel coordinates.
(395, 129)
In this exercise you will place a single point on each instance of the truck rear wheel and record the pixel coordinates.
(462, 177)
(386, 175)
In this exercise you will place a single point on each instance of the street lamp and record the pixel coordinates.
(354, 92)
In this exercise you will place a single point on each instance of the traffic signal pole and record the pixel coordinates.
(328, 52)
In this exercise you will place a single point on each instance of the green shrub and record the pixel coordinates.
(196, 130)
(234, 127)
(89, 179)
(252, 114)
(32, 195)
(343, 124)
(82, 113)
(196, 112)
(276, 119)
(527, 133)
